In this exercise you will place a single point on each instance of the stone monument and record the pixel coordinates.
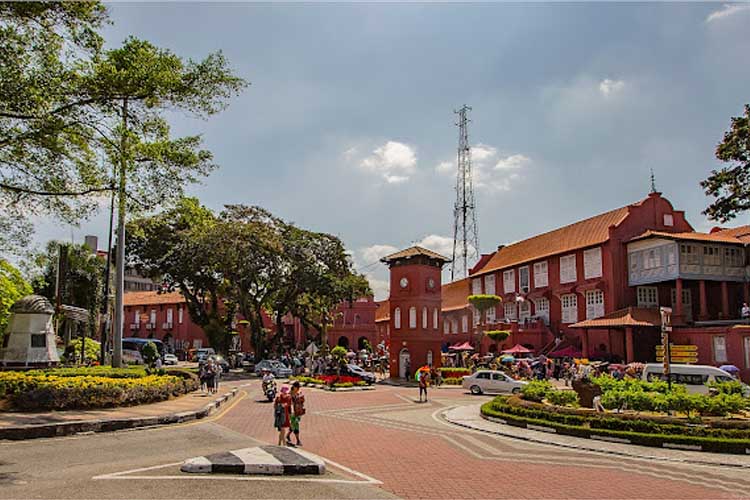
(29, 339)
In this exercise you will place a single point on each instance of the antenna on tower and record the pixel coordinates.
(465, 232)
(653, 182)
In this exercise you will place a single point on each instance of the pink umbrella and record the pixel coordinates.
(517, 349)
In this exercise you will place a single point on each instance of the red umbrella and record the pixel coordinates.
(461, 347)
(517, 349)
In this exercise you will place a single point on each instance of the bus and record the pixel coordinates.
(137, 344)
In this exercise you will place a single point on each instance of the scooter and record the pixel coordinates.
(269, 389)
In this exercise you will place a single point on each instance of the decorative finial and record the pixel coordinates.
(653, 182)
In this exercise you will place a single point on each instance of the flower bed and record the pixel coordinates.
(454, 372)
(332, 382)
(39, 390)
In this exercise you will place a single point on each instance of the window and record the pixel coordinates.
(524, 310)
(476, 317)
(540, 275)
(476, 286)
(594, 304)
(152, 317)
(670, 255)
(633, 262)
(412, 317)
(733, 257)
(397, 318)
(568, 269)
(746, 341)
(179, 315)
(523, 279)
(483, 375)
(38, 340)
(720, 349)
(509, 281)
(170, 316)
(542, 309)
(569, 308)
(454, 326)
(592, 263)
(668, 220)
(446, 326)
(648, 296)
(464, 323)
(652, 259)
(435, 318)
(711, 256)
(489, 284)
(689, 254)
(509, 308)
(137, 317)
(425, 316)
(491, 315)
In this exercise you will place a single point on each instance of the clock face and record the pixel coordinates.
(430, 283)
(404, 282)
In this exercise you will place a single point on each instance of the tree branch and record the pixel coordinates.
(22, 190)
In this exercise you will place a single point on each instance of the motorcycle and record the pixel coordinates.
(269, 389)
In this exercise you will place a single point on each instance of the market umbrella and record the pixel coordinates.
(729, 368)
(462, 347)
(517, 349)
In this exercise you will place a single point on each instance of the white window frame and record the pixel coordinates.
(435, 318)
(521, 287)
(152, 317)
(647, 296)
(170, 315)
(465, 323)
(541, 274)
(711, 255)
(491, 315)
(412, 318)
(568, 272)
(137, 317)
(397, 318)
(594, 304)
(454, 325)
(476, 317)
(489, 284)
(524, 310)
(569, 308)
(733, 257)
(592, 263)
(509, 310)
(476, 286)
(509, 281)
(180, 313)
(541, 308)
(446, 326)
(668, 220)
(719, 349)
(425, 318)
(689, 254)
(652, 258)
(746, 344)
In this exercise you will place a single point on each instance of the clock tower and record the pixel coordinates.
(415, 298)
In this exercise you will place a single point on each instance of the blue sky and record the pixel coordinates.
(348, 126)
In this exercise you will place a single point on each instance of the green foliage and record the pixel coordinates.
(484, 302)
(91, 371)
(498, 335)
(539, 390)
(92, 349)
(562, 398)
(730, 186)
(343, 384)
(733, 387)
(12, 288)
(308, 380)
(150, 353)
(453, 380)
(338, 352)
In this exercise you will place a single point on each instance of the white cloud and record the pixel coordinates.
(482, 152)
(610, 87)
(726, 11)
(445, 167)
(512, 162)
(350, 153)
(374, 253)
(394, 161)
(380, 287)
(490, 171)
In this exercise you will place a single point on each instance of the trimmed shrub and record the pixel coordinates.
(453, 380)
(454, 372)
(536, 390)
(562, 398)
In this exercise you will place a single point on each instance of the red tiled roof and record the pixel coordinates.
(413, 252)
(630, 316)
(383, 312)
(454, 295)
(742, 233)
(152, 298)
(718, 237)
(582, 234)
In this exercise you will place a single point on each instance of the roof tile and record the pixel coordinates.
(152, 298)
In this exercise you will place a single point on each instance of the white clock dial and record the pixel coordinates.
(404, 282)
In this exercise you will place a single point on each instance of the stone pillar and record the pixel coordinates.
(629, 354)
(585, 343)
(677, 313)
(724, 300)
(703, 315)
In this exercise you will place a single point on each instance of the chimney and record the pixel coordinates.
(92, 242)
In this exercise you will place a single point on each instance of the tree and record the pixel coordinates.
(338, 354)
(482, 303)
(12, 288)
(498, 336)
(730, 186)
(150, 354)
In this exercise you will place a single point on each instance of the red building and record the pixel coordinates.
(414, 303)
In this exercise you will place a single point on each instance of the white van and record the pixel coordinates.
(694, 377)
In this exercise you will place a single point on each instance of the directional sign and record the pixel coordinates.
(674, 348)
(679, 359)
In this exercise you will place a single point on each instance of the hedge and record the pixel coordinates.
(35, 391)
(446, 372)
(711, 444)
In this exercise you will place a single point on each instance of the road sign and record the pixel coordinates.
(676, 348)
(679, 359)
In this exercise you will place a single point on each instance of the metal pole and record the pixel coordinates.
(105, 306)
(120, 264)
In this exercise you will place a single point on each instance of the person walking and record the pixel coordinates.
(424, 380)
(281, 410)
(298, 409)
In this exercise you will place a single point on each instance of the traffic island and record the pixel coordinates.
(259, 460)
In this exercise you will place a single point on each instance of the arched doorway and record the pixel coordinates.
(343, 341)
(404, 363)
(362, 343)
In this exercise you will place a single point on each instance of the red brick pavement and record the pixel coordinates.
(418, 462)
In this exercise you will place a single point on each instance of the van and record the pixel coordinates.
(694, 377)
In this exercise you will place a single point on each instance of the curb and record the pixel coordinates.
(36, 431)
(259, 460)
(587, 448)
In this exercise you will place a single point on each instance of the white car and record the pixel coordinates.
(695, 378)
(491, 382)
(170, 359)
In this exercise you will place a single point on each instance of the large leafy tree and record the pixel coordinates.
(12, 287)
(730, 186)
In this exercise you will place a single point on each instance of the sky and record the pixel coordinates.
(348, 126)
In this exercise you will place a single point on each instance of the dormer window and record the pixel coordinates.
(668, 220)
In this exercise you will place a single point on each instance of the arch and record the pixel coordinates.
(435, 318)
(404, 363)
(397, 318)
(362, 342)
(425, 316)
(412, 317)
(343, 341)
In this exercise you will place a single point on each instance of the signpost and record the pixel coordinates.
(678, 353)
(666, 327)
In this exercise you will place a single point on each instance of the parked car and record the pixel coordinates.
(248, 363)
(491, 382)
(275, 367)
(221, 361)
(203, 353)
(358, 371)
(170, 359)
(695, 378)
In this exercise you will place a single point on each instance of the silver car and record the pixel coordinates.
(275, 367)
(492, 382)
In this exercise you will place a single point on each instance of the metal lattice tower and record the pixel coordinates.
(465, 231)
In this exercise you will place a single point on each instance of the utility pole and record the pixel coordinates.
(465, 231)
(106, 326)
(120, 264)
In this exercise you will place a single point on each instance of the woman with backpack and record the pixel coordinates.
(282, 407)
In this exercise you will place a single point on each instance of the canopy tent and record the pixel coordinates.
(568, 352)
(461, 347)
(517, 349)
(311, 349)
